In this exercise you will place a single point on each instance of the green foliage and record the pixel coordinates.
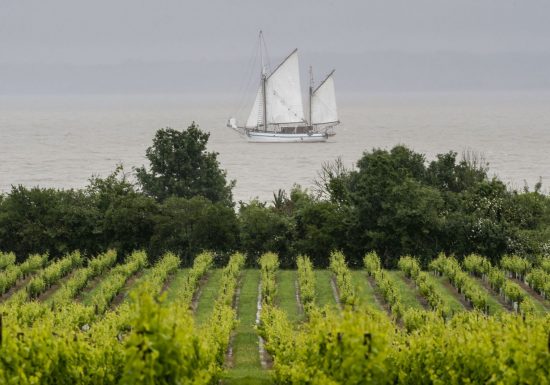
(6, 259)
(203, 262)
(347, 349)
(81, 277)
(449, 267)
(263, 229)
(163, 348)
(544, 264)
(9, 276)
(496, 278)
(372, 262)
(364, 347)
(143, 341)
(515, 265)
(539, 280)
(385, 285)
(146, 340)
(472, 348)
(342, 275)
(389, 197)
(319, 226)
(189, 226)
(181, 166)
(110, 287)
(411, 268)
(40, 221)
(269, 263)
(306, 282)
(50, 275)
(224, 318)
(477, 265)
(415, 319)
(395, 203)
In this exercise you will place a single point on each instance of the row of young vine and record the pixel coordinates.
(499, 280)
(411, 268)
(12, 273)
(464, 284)
(144, 340)
(6, 260)
(360, 345)
(342, 274)
(306, 283)
(384, 284)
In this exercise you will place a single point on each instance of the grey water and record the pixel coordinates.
(60, 141)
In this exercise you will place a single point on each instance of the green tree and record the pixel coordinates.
(264, 229)
(181, 166)
(320, 227)
(39, 220)
(189, 226)
(448, 175)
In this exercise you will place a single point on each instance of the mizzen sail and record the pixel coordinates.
(323, 102)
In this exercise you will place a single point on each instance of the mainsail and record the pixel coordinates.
(283, 96)
(323, 102)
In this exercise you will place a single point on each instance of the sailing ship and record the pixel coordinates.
(277, 114)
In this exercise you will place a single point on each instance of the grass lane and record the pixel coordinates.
(176, 285)
(449, 297)
(209, 294)
(495, 306)
(247, 368)
(324, 295)
(408, 297)
(540, 309)
(286, 294)
(364, 290)
(87, 296)
(540, 303)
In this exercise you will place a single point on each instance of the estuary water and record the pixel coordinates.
(60, 141)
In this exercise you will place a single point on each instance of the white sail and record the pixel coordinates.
(284, 93)
(323, 102)
(255, 117)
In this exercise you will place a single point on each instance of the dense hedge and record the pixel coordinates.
(394, 202)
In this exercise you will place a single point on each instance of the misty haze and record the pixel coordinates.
(274, 192)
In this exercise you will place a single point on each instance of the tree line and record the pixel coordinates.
(394, 202)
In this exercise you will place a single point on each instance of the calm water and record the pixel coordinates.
(61, 141)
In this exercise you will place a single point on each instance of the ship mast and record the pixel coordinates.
(310, 94)
(264, 81)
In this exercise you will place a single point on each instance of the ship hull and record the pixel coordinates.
(276, 137)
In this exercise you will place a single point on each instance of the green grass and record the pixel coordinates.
(286, 294)
(87, 296)
(324, 295)
(495, 307)
(208, 297)
(247, 367)
(449, 297)
(540, 309)
(178, 282)
(408, 296)
(364, 290)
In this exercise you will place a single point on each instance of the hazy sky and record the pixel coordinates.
(39, 39)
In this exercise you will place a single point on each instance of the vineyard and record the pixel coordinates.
(114, 319)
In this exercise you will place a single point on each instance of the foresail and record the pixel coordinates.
(323, 102)
(284, 94)
(255, 117)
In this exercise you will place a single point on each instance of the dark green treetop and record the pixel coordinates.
(181, 166)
